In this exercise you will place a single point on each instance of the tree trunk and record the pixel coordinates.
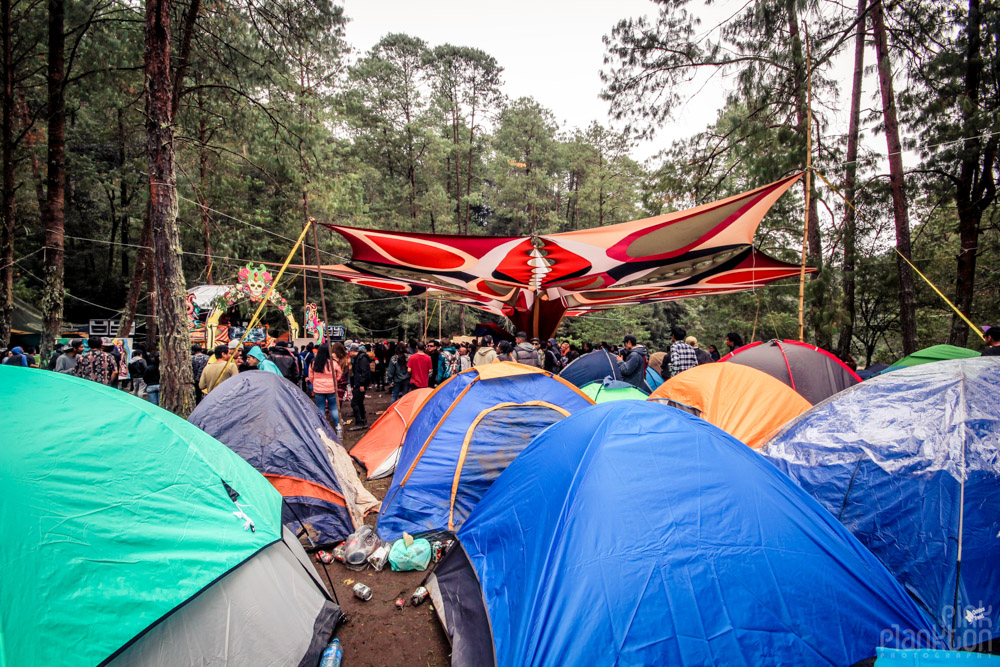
(206, 219)
(8, 187)
(975, 189)
(142, 257)
(319, 274)
(468, 167)
(799, 66)
(850, 183)
(53, 217)
(907, 310)
(123, 195)
(176, 375)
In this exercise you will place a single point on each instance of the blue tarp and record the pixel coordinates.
(492, 420)
(633, 533)
(591, 367)
(274, 426)
(888, 458)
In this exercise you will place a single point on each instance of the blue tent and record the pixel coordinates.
(632, 533)
(892, 458)
(591, 367)
(464, 435)
(653, 379)
(274, 426)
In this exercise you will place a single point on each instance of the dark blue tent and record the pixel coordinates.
(633, 533)
(892, 459)
(591, 367)
(274, 426)
(872, 371)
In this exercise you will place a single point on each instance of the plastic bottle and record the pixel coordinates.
(332, 655)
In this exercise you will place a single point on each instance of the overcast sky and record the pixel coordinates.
(552, 51)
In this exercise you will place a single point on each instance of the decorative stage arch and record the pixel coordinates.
(535, 281)
(251, 286)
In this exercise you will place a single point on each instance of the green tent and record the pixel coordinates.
(602, 392)
(934, 353)
(115, 514)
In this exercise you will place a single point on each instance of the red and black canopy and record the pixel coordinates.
(535, 281)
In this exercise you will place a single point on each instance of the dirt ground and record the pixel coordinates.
(376, 633)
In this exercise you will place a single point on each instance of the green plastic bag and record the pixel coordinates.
(415, 557)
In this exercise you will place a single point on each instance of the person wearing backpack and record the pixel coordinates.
(448, 364)
(397, 375)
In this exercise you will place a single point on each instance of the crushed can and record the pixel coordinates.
(340, 553)
(419, 596)
(400, 603)
(379, 557)
(324, 557)
(362, 592)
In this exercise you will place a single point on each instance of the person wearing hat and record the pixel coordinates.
(66, 362)
(524, 352)
(701, 355)
(257, 361)
(361, 376)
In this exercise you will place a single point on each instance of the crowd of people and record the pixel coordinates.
(338, 372)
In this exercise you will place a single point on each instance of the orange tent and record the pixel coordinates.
(743, 401)
(378, 451)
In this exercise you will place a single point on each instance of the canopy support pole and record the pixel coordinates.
(805, 226)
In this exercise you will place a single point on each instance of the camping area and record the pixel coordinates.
(653, 332)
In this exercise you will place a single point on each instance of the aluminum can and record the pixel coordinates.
(323, 557)
(362, 592)
(437, 551)
(339, 553)
(419, 596)
(379, 557)
(400, 603)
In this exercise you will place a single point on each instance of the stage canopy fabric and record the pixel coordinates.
(535, 281)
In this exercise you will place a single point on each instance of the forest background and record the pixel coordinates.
(266, 116)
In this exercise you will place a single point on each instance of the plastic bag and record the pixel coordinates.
(415, 557)
(360, 545)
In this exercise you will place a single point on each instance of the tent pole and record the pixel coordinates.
(805, 225)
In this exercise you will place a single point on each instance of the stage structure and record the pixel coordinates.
(212, 309)
(535, 281)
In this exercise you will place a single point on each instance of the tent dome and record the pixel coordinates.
(814, 373)
(934, 353)
(746, 403)
(892, 459)
(379, 449)
(274, 426)
(128, 536)
(464, 435)
(643, 535)
(613, 390)
(591, 367)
